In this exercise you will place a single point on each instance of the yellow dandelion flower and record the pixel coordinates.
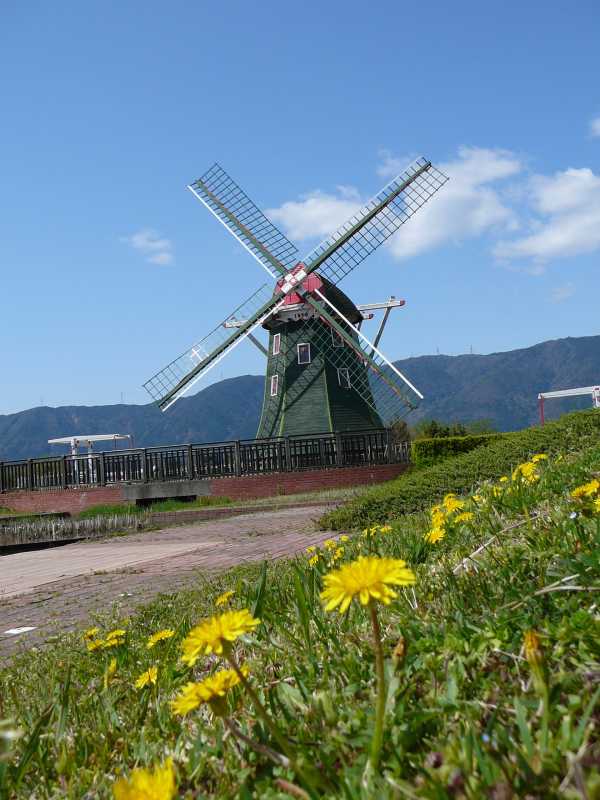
(539, 457)
(597, 505)
(311, 549)
(109, 672)
(385, 529)
(531, 642)
(211, 690)
(211, 634)
(313, 561)
(526, 472)
(96, 644)
(91, 633)
(438, 517)
(368, 578)
(338, 553)
(504, 479)
(145, 784)
(465, 516)
(159, 636)
(147, 678)
(329, 544)
(586, 490)
(116, 641)
(451, 503)
(224, 598)
(434, 535)
(344, 538)
(118, 633)
(477, 498)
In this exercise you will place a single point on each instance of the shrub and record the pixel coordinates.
(428, 451)
(421, 487)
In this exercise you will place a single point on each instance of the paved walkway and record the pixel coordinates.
(58, 589)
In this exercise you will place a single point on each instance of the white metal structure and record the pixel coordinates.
(365, 309)
(76, 442)
(594, 391)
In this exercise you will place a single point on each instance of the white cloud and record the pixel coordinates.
(567, 218)
(156, 249)
(469, 205)
(316, 213)
(391, 165)
(595, 126)
(561, 293)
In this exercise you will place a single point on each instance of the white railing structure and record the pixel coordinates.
(593, 391)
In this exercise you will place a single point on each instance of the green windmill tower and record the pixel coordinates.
(323, 373)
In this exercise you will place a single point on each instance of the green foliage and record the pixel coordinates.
(433, 428)
(429, 451)
(468, 713)
(421, 487)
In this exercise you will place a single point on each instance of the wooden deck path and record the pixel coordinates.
(58, 589)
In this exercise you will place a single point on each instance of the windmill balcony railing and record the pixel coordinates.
(204, 461)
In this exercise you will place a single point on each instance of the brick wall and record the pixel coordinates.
(310, 481)
(75, 500)
(71, 500)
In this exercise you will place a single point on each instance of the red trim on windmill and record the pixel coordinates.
(311, 283)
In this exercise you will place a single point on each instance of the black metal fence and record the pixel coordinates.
(196, 461)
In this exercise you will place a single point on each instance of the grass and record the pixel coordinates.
(419, 487)
(469, 710)
(159, 505)
(325, 495)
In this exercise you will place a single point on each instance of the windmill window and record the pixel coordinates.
(304, 353)
(336, 339)
(274, 385)
(344, 377)
(276, 344)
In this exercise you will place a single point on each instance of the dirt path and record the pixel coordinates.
(57, 590)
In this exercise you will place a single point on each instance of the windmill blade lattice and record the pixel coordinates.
(379, 219)
(383, 388)
(232, 206)
(172, 381)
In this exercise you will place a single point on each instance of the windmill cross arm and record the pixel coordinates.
(391, 303)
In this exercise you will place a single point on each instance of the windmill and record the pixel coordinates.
(323, 373)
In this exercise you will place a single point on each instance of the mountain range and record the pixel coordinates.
(499, 387)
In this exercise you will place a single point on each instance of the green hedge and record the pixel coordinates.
(420, 488)
(429, 451)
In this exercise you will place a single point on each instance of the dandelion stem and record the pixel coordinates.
(262, 711)
(377, 740)
(260, 748)
(311, 781)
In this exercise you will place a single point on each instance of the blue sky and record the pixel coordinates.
(109, 267)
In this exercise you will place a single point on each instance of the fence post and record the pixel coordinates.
(102, 470)
(321, 452)
(288, 454)
(190, 462)
(63, 472)
(1, 476)
(144, 465)
(30, 473)
(390, 446)
(339, 450)
(237, 458)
